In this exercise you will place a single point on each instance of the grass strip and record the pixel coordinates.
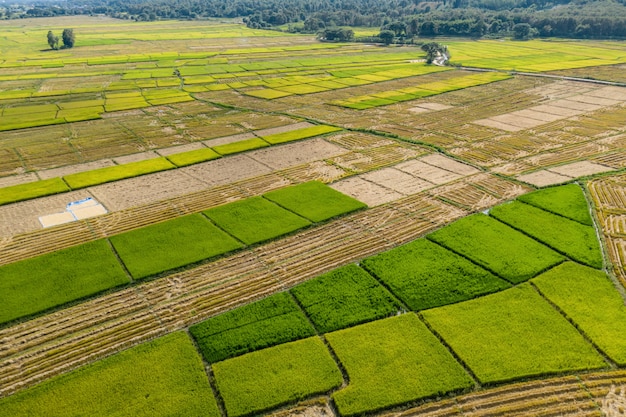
(314, 200)
(172, 244)
(577, 241)
(193, 157)
(425, 275)
(37, 284)
(392, 362)
(269, 378)
(344, 297)
(241, 146)
(163, 377)
(255, 220)
(497, 247)
(513, 334)
(265, 323)
(31, 190)
(307, 132)
(590, 300)
(117, 172)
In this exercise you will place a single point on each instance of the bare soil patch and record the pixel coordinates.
(498, 125)
(226, 170)
(22, 217)
(517, 120)
(449, 164)
(365, 191)
(428, 172)
(18, 179)
(581, 169)
(136, 157)
(575, 105)
(543, 178)
(600, 101)
(397, 180)
(556, 110)
(146, 189)
(73, 169)
(531, 114)
(614, 93)
(280, 157)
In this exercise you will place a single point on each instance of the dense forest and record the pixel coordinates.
(407, 19)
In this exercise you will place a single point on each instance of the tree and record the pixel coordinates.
(386, 36)
(68, 38)
(523, 31)
(53, 41)
(435, 50)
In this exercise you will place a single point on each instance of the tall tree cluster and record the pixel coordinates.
(67, 37)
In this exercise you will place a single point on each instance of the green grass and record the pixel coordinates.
(575, 240)
(31, 190)
(497, 247)
(268, 378)
(37, 284)
(425, 275)
(590, 300)
(314, 201)
(268, 93)
(160, 247)
(513, 334)
(392, 362)
(193, 157)
(241, 146)
(164, 377)
(117, 172)
(255, 220)
(343, 298)
(299, 134)
(566, 200)
(268, 322)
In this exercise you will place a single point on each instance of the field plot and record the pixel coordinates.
(36, 284)
(567, 201)
(159, 378)
(490, 244)
(609, 197)
(175, 243)
(577, 241)
(344, 297)
(255, 220)
(579, 291)
(393, 361)
(271, 321)
(512, 334)
(425, 275)
(266, 379)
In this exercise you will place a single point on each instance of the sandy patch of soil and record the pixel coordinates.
(308, 409)
(516, 120)
(575, 105)
(18, 179)
(434, 106)
(543, 178)
(136, 157)
(559, 111)
(512, 168)
(614, 93)
(23, 217)
(146, 189)
(228, 139)
(226, 170)
(601, 101)
(365, 191)
(279, 157)
(73, 169)
(180, 149)
(418, 110)
(581, 169)
(397, 180)
(497, 125)
(531, 114)
(428, 172)
(449, 164)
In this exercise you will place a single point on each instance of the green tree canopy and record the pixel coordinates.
(68, 38)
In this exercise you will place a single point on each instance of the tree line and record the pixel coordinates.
(406, 18)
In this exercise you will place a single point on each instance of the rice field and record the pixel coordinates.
(236, 164)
